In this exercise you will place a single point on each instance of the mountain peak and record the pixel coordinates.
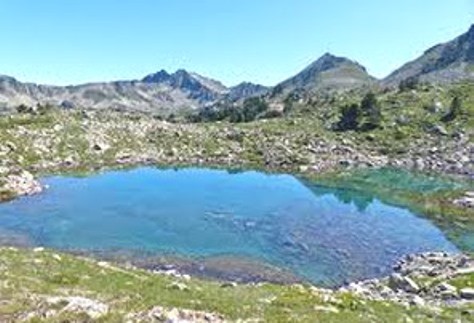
(444, 63)
(164, 77)
(471, 29)
(328, 61)
(181, 73)
(328, 55)
(159, 77)
(329, 72)
(469, 36)
(245, 90)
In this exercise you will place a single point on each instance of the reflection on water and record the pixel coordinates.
(327, 236)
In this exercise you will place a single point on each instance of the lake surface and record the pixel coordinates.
(326, 236)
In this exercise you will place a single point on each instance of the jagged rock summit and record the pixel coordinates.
(159, 92)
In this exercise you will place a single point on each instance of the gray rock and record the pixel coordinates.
(100, 146)
(417, 301)
(447, 287)
(440, 130)
(399, 282)
(467, 293)
(229, 285)
(447, 295)
(162, 314)
(92, 308)
(466, 201)
(178, 286)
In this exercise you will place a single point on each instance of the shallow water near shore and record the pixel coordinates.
(322, 235)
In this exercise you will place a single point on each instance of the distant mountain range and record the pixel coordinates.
(163, 92)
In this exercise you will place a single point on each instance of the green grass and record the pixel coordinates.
(28, 277)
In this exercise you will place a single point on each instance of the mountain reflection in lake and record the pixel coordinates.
(326, 236)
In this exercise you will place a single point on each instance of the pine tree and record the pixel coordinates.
(350, 115)
(371, 116)
(454, 111)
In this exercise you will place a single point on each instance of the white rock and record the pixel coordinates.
(93, 309)
(465, 271)
(417, 301)
(326, 309)
(399, 282)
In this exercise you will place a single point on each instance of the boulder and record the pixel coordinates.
(162, 314)
(92, 308)
(100, 146)
(417, 301)
(399, 282)
(447, 287)
(467, 293)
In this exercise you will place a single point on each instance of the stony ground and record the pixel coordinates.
(86, 140)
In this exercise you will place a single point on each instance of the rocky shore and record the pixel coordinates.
(422, 280)
(433, 279)
(23, 183)
(17, 182)
(91, 141)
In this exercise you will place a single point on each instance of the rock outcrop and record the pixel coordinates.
(22, 183)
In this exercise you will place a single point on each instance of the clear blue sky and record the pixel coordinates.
(75, 41)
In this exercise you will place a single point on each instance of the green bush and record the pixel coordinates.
(349, 119)
(454, 111)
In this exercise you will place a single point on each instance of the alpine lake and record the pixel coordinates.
(236, 225)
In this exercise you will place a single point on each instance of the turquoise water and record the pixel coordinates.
(326, 236)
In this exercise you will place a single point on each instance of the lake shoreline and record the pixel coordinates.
(431, 279)
(430, 206)
(194, 267)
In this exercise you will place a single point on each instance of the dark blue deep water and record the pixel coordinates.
(326, 236)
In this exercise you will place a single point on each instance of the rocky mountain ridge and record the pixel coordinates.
(444, 63)
(165, 93)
